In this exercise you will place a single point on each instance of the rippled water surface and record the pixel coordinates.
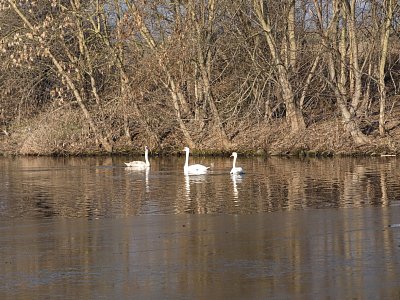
(289, 228)
(103, 187)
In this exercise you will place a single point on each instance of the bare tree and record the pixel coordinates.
(389, 6)
(293, 112)
(344, 78)
(39, 34)
(170, 83)
(199, 72)
(116, 45)
(203, 23)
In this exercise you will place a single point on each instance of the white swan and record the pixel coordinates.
(196, 169)
(236, 170)
(140, 164)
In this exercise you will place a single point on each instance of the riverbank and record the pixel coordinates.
(62, 135)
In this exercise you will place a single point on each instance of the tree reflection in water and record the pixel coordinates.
(98, 187)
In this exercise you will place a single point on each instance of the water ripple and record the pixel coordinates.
(100, 188)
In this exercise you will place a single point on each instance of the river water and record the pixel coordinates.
(89, 228)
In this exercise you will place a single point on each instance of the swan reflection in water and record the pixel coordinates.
(236, 178)
(190, 179)
(194, 193)
(140, 171)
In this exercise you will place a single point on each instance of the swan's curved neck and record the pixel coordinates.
(146, 157)
(187, 159)
(234, 161)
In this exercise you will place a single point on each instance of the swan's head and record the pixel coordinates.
(186, 149)
(146, 148)
(234, 154)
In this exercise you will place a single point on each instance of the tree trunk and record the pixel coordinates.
(204, 47)
(339, 82)
(355, 71)
(382, 62)
(175, 101)
(293, 113)
(291, 34)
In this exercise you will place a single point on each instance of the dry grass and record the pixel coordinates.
(65, 133)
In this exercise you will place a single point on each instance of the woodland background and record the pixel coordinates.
(258, 76)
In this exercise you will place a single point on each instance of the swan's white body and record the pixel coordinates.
(236, 170)
(140, 164)
(196, 169)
